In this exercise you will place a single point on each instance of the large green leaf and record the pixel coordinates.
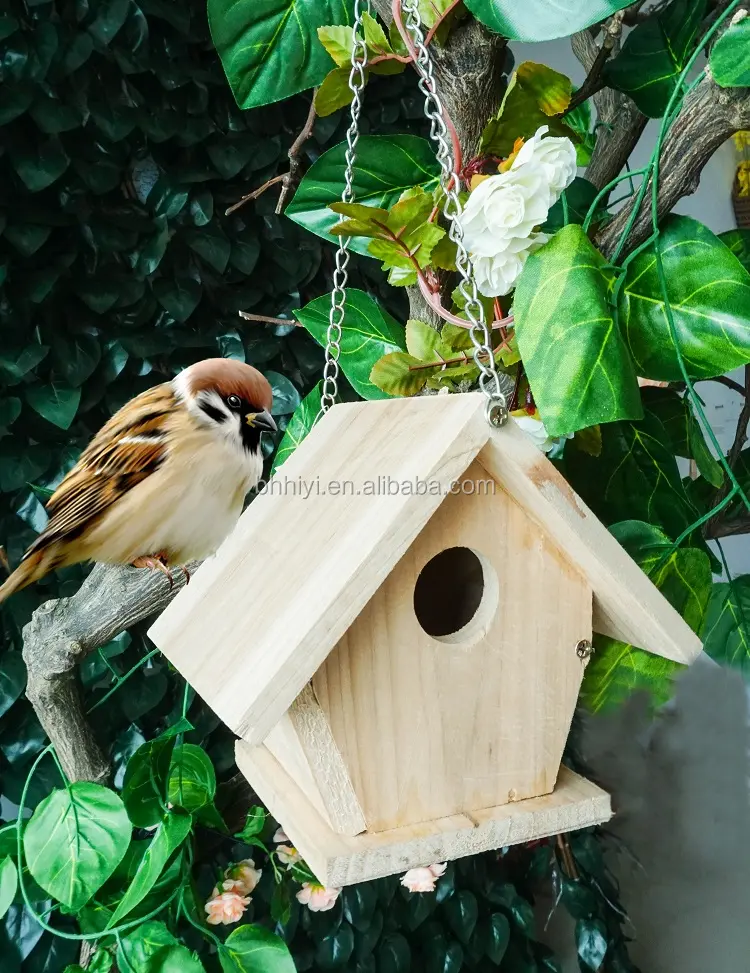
(192, 780)
(298, 427)
(683, 429)
(684, 578)
(57, 403)
(561, 300)
(145, 783)
(654, 55)
(152, 948)
(253, 949)
(368, 333)
(730, 56)
(542, 20)
(270, 48)
(8, 883)
(727, 633)
(738, 242)
(709, 292)
(170, 834)
(386, 165)
(75, 840)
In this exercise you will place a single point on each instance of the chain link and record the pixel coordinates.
(340, 276)
(489, 380)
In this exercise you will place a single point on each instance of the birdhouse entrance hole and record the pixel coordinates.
(456, 596)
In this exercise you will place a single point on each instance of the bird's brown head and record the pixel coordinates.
(230, 397)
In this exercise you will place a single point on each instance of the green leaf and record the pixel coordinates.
(21, 464)
(684, 578)
(540, 20)
(212, 246)
(170, 834)
(253, 949)
(684, 431)
(654, 54)
(8, 884)
(422, 341)
(145, 783)
(535, 95)
(12, 679)
(77, 357)
(727, 632)
(110, 17)
(338, 42)
(709, 292)
(152, 948)
(386, 166)
(286, 398)
(75, 840)
(394, 955)
(729, 59)
(462, 911)
(334, 950)
(255, 820)
(298, 427)
(561, 299)
(269, 48)
(591, 940)
(393, 374)
(39, 165)
(101, 962)
(368, 333)
(334, 92)
(57, 404)
(192, 781)
(496, 936)
(579, 196)
(179, 297)
(738, 242)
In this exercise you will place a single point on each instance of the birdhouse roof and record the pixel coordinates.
(259, 619)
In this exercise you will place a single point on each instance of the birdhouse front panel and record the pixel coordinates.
(455, 687)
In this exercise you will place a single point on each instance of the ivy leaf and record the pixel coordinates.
(286, 398)
(727, 632)
(179, 297)
(729, 59)
(561, 299)
(334, 92)
(591, 940)
(269, 48)
(8, 883)
(535, 95)
(297, 429)
(152, 948)
(253, 949)
(684, 578)
(39, 165)
(12, 679)
(170, 834)
(256, 816)
(539, 20)
(684, 431)
(75, 840)
(368, 333)
(145, 783)
(654, 54)
(709, 292)
(393, 374)
(192, 781)
(386, 165)
(57, 404)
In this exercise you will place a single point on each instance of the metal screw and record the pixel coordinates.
(584, 649)
(497, 413)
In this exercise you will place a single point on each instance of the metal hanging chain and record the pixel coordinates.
(340, 277)
(489, 380)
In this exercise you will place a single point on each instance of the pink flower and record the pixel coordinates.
(288, 855)
(316, 897)
(280, 836)
(225, 908)
(242, 877)
(423, 879)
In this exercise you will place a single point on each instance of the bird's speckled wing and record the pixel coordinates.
(129, 448)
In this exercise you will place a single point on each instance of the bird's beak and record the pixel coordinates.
(261, 420)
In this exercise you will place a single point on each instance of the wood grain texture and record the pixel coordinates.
(338, 860)
(627, 606)
(326, 764)
(259, 618)
(430, 727)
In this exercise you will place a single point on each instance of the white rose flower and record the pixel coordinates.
(535, 429)
(501, 216)
(555, 157)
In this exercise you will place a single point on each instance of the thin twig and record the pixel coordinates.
(267, 320)
(289, 179)
(729, 382)
(740, 435)
(594, 81)
(566, 856)
(716, 527)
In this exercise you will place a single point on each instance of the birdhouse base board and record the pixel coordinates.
(338, 860)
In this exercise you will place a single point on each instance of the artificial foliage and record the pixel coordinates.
(122, 149)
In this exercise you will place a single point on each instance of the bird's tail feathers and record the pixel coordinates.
(31, 569)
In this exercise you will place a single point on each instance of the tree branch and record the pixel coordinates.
(709, 116)
(265, 319)
(620, 123)
(62, 633)
(723, 525)
(594, 81)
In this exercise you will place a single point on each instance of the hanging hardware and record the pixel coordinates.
(584, 649)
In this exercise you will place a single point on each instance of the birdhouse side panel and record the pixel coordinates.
(432, 722)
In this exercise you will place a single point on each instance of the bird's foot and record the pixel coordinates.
(155, 562)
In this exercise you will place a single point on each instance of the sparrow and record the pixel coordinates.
(164, 481)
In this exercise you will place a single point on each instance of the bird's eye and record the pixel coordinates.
(234, 401)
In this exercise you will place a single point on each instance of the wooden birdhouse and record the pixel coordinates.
(397, 631)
